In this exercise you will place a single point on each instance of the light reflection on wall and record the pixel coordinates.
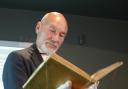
(5, 48)
(4, 51)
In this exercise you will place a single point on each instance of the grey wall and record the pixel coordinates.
(100, 32)
(93, 59)
(105, 41)
(18, 25)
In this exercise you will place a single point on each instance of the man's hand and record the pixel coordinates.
(66, 85)
(94, 86)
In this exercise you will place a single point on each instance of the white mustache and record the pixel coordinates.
(54, 43)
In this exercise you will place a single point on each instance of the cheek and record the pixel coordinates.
(41, 37)
(61, 42)
(49, 36)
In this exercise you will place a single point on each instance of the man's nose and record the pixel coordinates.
(56, 37)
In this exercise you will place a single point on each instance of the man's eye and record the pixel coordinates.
(62, 35)
(52, 30)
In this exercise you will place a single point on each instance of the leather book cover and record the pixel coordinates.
(57, 70)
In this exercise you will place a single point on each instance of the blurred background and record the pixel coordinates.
(97, 37)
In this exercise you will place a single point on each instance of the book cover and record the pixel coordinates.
(56, 70)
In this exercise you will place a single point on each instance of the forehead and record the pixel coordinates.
(58, 28)
(57, 22)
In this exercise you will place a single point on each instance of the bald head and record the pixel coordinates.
(51, 32)
(55, 17)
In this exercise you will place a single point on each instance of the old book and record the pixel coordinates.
(56, 70)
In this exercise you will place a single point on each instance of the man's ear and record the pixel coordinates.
(38, 27)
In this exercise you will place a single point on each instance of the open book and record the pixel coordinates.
(56, 70)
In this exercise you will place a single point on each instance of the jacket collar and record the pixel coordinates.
(36, 56)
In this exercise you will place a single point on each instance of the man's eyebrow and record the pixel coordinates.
(64, 33)
(52, 26)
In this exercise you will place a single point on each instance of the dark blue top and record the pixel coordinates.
(19, 66)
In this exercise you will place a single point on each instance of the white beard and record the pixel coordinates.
(44, 49)
(42, 46)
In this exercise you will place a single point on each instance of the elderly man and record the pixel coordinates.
(19, 66)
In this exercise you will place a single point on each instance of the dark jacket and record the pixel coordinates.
(19, 66)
